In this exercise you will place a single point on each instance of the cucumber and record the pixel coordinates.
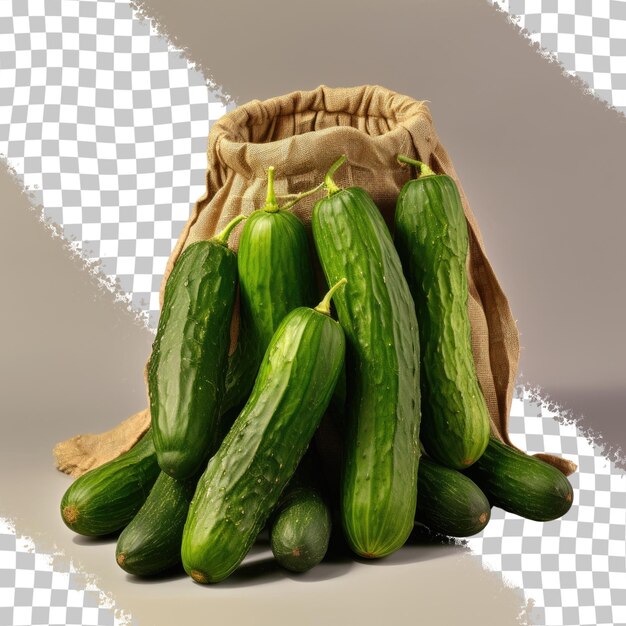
(376, 311)
(432, 241)
(521, 484)
(106, 498)
(275, 277)
(448, 502)
(244, 479)
(242, 368)
(300, 529)
(187, 368)
(150, 544)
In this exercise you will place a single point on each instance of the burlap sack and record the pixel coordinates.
(301, 134)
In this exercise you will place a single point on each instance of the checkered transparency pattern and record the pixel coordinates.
(587, 36)
(573, 568)
(35, 588)
(108, 126)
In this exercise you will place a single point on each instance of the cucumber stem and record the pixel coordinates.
(422, 168)
(297, 197)
(271, 206)
(222, 238)
(329, 183)
(271, 203)
(324, 305)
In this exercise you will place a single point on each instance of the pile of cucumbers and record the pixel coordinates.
(370, 424)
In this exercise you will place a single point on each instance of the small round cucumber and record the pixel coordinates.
(300, 529)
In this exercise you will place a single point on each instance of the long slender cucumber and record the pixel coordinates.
(187, 369)
(381, 455)
(432, 241)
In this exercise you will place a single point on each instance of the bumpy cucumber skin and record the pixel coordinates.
(242, 368)
(187, 367)
(521, 484)
(106, 498)
(150, 544)
(448, 502)
(381, 455)
(244, 479)
(275, 277)
(432, 241)
(300, 529)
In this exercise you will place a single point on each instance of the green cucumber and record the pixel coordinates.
(187, 368)
(275, 277)
(106, 498)
(448, 502)
(432, 241)
(376, 311)
(150, 544)
(521, 484)
(300, 529)
(244, 479)
(242, 368)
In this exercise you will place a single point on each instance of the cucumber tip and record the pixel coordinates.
(70, 514)
(199, 577)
